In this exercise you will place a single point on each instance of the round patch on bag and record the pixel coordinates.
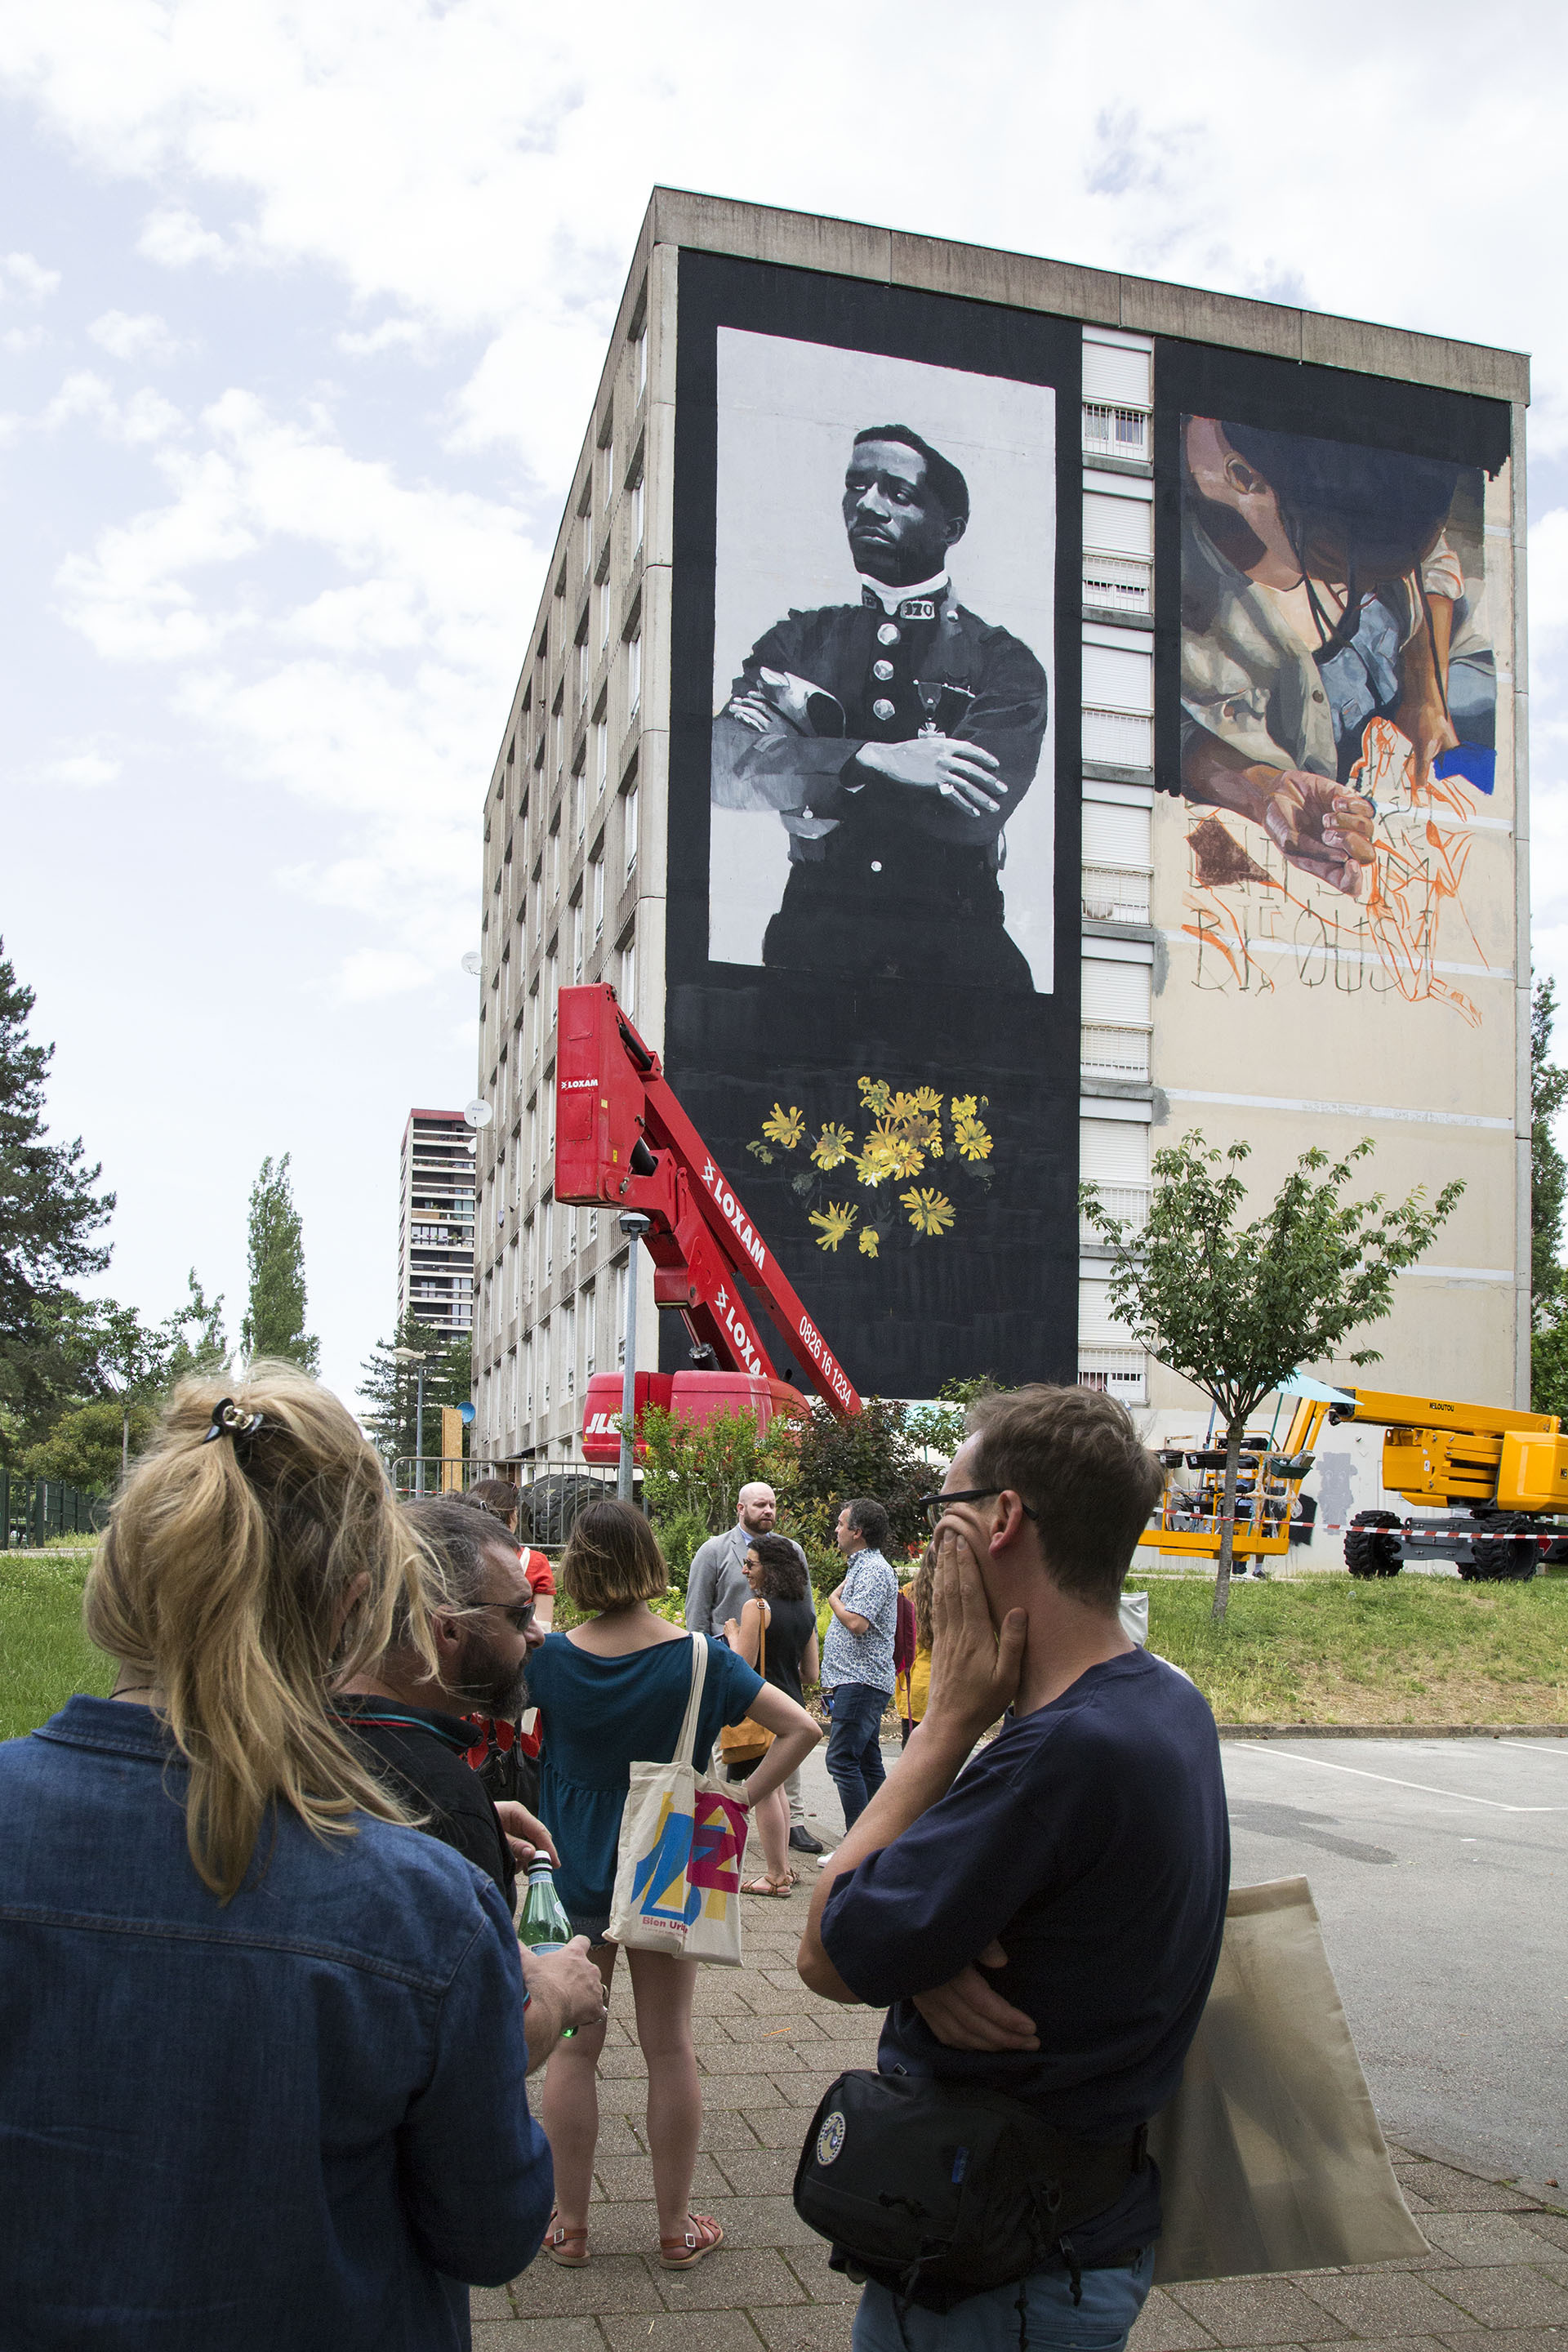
(831, 2138)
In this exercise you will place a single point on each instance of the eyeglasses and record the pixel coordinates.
(517, 1613)
(934, 1506)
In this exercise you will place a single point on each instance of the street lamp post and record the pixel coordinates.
(414, 1356)
(633, 1224)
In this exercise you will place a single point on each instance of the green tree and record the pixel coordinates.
(274, 1323)
(1236, 1308)
(389, 1389)
(876, 1453)
(88, 1443)
(133, 1360)
(939, 1427)
(207, 1351)
(49, 1210)
(695, 1470)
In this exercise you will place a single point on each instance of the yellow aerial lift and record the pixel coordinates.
(1267, 1485)
(1497, 1474)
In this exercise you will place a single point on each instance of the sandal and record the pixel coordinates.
(567, 2247)
(684, 2253)
(769, 1886)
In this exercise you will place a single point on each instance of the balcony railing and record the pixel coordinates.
(1116, 894)
(1111, 431)
(1123, 1372)
(1117, 739)
(1114, 1049)
(1118, 583)
(1129, 1201)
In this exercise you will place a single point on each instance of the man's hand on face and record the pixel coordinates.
(966, 2014)
(525, 1833)
(965, 773)
(567, 1984)
(974, 1668)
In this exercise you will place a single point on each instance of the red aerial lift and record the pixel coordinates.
(622, 1140)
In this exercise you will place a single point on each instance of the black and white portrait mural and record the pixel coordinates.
(871, 935)
(884, 617)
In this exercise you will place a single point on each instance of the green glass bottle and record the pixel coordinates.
(544, 1926)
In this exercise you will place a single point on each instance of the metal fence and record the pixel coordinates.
(34, 1509)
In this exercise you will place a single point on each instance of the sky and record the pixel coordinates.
(301, 310)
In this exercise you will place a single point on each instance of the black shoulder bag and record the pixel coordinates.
(941, 2190)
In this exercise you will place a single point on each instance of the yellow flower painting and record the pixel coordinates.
(785, 1126)
(834, 1223)
(930, 1213)
(894, 1132)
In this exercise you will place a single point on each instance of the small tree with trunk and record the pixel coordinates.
(274, 1322)
(1235, 1307)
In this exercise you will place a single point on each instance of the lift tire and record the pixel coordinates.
(1368, 1550)
(1506, 1563)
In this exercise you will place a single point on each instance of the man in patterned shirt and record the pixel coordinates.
(858, 1656)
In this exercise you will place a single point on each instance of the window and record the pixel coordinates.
(634, 675)
(554, 860)
(639, 362)
(604, 614)
(587, 542)
(621, 1316)
(607, 478)
(596, 873)
(544, 1364)
(593, 1225)
(530, 1259)
(516, 1167)
(585, 668)
(571, 1217)
(601, 756)
(579, 805)
(534, 1022)
(560, 740)
(569, 1351)
(590, 1335)
(547, 1219)
(528, 1378)
(512, 1258)
(577, 944)
(628, 990)
(553, 972)
(511, 1387)
(640, 511)
(630, 800)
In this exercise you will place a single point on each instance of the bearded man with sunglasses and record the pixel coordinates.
(1040, 1916)
(480, 1607)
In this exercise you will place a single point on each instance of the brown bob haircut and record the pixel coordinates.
(1075, 1458)
(612, 1559)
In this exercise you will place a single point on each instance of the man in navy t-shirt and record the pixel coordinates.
(1045, 1917)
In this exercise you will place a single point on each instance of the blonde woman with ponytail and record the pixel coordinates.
(262, 2056)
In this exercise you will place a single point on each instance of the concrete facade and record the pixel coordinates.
(575, 843)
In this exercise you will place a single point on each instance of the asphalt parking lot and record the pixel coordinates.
(1439, 1868)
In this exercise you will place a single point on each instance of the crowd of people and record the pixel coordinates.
(265, 2021)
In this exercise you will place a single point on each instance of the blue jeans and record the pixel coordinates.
(1049, 2320)
(854, 1749)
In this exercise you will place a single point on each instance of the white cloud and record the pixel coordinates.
(88, 769)
(135, 335)
(392, 334)
(1549, 571)
(18, 340)
(175, 238)
(29, 277)
(140, 422)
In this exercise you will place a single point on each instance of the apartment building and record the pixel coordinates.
(435, 1223)
(1256, 577)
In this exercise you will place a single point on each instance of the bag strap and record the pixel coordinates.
(763, 1640)
(686, 1746)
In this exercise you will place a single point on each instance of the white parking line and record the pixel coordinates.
(1496, 1803)
(1538, 1748)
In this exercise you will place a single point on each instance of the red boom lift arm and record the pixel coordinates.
(622, 1140)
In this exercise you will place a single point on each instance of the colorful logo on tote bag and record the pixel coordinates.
(692, 1858)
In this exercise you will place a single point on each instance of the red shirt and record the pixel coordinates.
(497, 1732)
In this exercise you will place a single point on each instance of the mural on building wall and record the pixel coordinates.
(884, 619)
(1338, 697)
(872, 934)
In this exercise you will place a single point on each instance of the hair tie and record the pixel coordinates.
(228, 1420)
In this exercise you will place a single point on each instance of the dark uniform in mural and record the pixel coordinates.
(894, 736)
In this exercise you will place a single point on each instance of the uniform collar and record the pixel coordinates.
(921, 591)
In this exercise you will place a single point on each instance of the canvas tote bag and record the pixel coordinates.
(678, 1869)
(1269, 2154)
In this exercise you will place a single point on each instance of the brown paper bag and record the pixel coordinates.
(1270, 2154)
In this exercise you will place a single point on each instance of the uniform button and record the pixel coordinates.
(1317, 695)
(881, 708)
(876, 866)
(882, 670)
(887, 634)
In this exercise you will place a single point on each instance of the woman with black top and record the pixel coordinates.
(782, 1603)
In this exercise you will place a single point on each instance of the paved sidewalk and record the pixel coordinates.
(1495, 2280)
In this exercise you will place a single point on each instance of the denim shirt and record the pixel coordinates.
(295, 2120)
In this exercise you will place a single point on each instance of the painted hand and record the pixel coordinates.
(1319, 825)
(964, 774)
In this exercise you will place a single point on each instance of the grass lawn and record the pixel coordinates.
(44, 1653)
(1331, 1649)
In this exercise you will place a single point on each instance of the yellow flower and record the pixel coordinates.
(870, 1240)
(835, 1220)
(964, 1106)
(832, 1146)
(785, 1126)
(891, 1150)
(973, 1138)
(928, 1099)
(930, 1213)
(905, 1107)
(875, 1095)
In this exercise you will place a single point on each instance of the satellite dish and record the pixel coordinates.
(465, 1414)
(473, 963)
(477, 1113)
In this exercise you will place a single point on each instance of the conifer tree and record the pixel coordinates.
(49, 1210)
(274, 1322)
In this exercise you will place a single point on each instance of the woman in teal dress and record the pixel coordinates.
(610, 1694)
